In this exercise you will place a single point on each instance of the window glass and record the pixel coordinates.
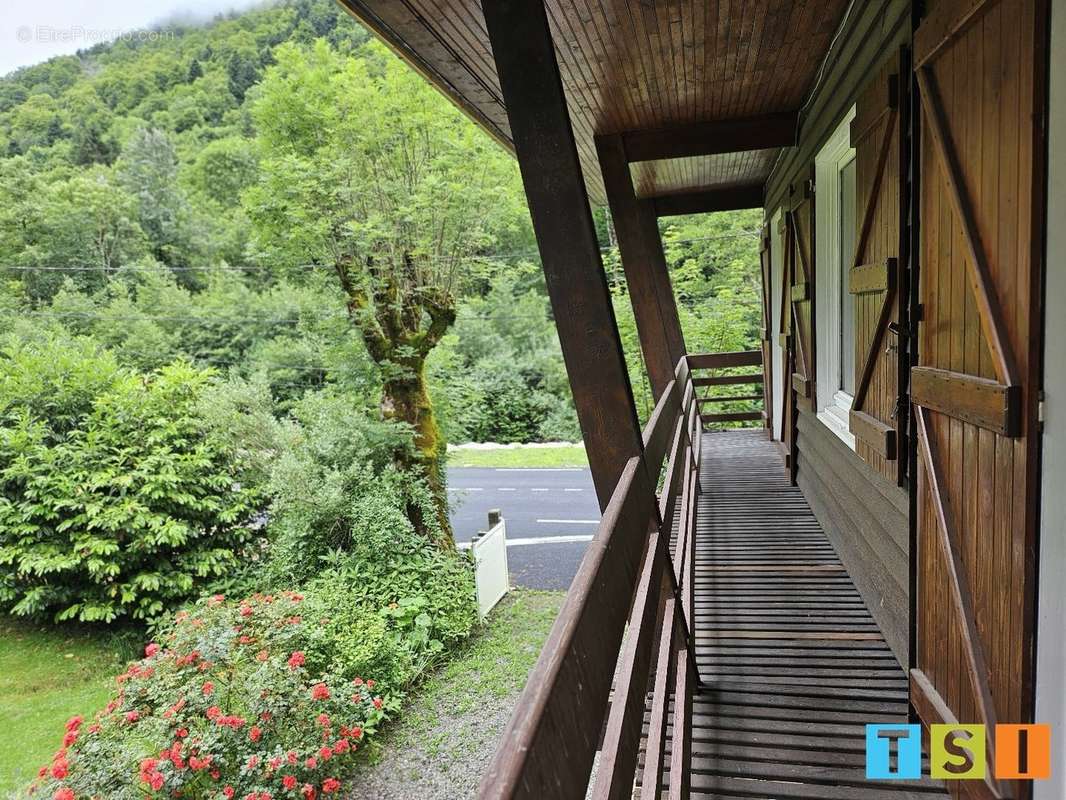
(847, 255)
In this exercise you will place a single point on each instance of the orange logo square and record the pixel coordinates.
(1023, 751)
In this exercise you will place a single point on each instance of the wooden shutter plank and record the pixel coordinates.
(944, 23)
(875, 277)
(947, 541)
(988, 308)
(874, 432)
(982, 401)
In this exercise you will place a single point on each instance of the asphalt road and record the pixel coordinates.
(551, 515)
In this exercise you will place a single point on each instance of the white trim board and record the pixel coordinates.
(832, 403)
(1051, 603)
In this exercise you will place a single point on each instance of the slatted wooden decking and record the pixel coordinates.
(792, 663)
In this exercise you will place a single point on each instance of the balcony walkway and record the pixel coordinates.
(793, 665)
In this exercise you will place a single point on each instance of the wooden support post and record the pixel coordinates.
(566, 236)
(645, 267)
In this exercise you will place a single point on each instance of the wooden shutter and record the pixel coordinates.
(767, 317)
(786, 424)
(801, 273)
(873, 278)
(979, 68)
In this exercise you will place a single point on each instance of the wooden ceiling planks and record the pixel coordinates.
(653, 178)
(632, 65)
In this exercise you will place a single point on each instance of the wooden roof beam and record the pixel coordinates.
(711, 138)
(726, 198)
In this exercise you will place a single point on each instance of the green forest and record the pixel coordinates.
(254, 278)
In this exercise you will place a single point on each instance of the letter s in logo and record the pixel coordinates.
(958, 752)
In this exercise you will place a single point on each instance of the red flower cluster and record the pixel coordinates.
(151, 775)
(301, 731)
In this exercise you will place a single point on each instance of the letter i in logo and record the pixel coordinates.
(894, 752)
(1023, 751)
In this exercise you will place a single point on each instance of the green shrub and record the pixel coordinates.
(233, 701)
(115, 498)
(340, 528)
(396, 614)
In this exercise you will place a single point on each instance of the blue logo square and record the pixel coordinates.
(894, 752)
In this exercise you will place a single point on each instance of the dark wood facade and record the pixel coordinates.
(682, 107)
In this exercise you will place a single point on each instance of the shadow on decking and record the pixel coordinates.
(793, 665)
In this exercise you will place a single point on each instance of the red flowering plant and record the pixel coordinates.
(229, 703)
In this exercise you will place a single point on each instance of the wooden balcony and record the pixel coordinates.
(716, 607)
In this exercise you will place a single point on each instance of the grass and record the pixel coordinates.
(572, 455)
(495, 664)
(47, 675)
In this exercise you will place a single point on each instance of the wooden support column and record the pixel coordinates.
(566, 237)
(644, 263)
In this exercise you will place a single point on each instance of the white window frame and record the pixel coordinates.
(834, 404)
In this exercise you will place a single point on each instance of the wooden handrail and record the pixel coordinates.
(743, 358)
(716, 361)
(628, 578)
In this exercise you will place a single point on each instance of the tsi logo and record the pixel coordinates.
(957, 752)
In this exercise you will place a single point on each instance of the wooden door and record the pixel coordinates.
(765, 335)
(784, 333)
(800, 310)
(979, 68)
(801, 221)
(874, 276)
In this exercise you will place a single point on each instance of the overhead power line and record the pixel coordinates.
(253, 269)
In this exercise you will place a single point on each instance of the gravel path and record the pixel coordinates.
(444, 738)
(449, 763)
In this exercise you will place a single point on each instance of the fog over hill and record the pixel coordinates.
(32, 31)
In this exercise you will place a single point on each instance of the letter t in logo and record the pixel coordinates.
(894, 752)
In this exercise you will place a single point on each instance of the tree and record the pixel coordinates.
(369, 172)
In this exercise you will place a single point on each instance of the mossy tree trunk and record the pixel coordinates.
(401, 321)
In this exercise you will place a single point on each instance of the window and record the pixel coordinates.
(835, 234)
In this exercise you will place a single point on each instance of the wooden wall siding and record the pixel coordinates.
(865, 517)
(627, 64)
(876, 137)
(984, 79)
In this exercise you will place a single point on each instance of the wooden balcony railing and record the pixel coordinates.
(626, 623)
(729, 371)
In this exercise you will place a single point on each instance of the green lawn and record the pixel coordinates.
(562, 456)
(47, 675)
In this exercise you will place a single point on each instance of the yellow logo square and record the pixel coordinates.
(957, 752)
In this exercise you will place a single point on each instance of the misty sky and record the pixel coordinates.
(35, 30)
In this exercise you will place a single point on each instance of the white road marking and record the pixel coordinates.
(573, 490)
(534, 540)
(506, 489)
(569, 521)
(465, 489)
(540, 469)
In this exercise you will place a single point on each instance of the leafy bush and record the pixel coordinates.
(115, 498)
(235, 701)
(341, 528)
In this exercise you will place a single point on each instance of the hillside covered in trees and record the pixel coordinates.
(134, 198)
